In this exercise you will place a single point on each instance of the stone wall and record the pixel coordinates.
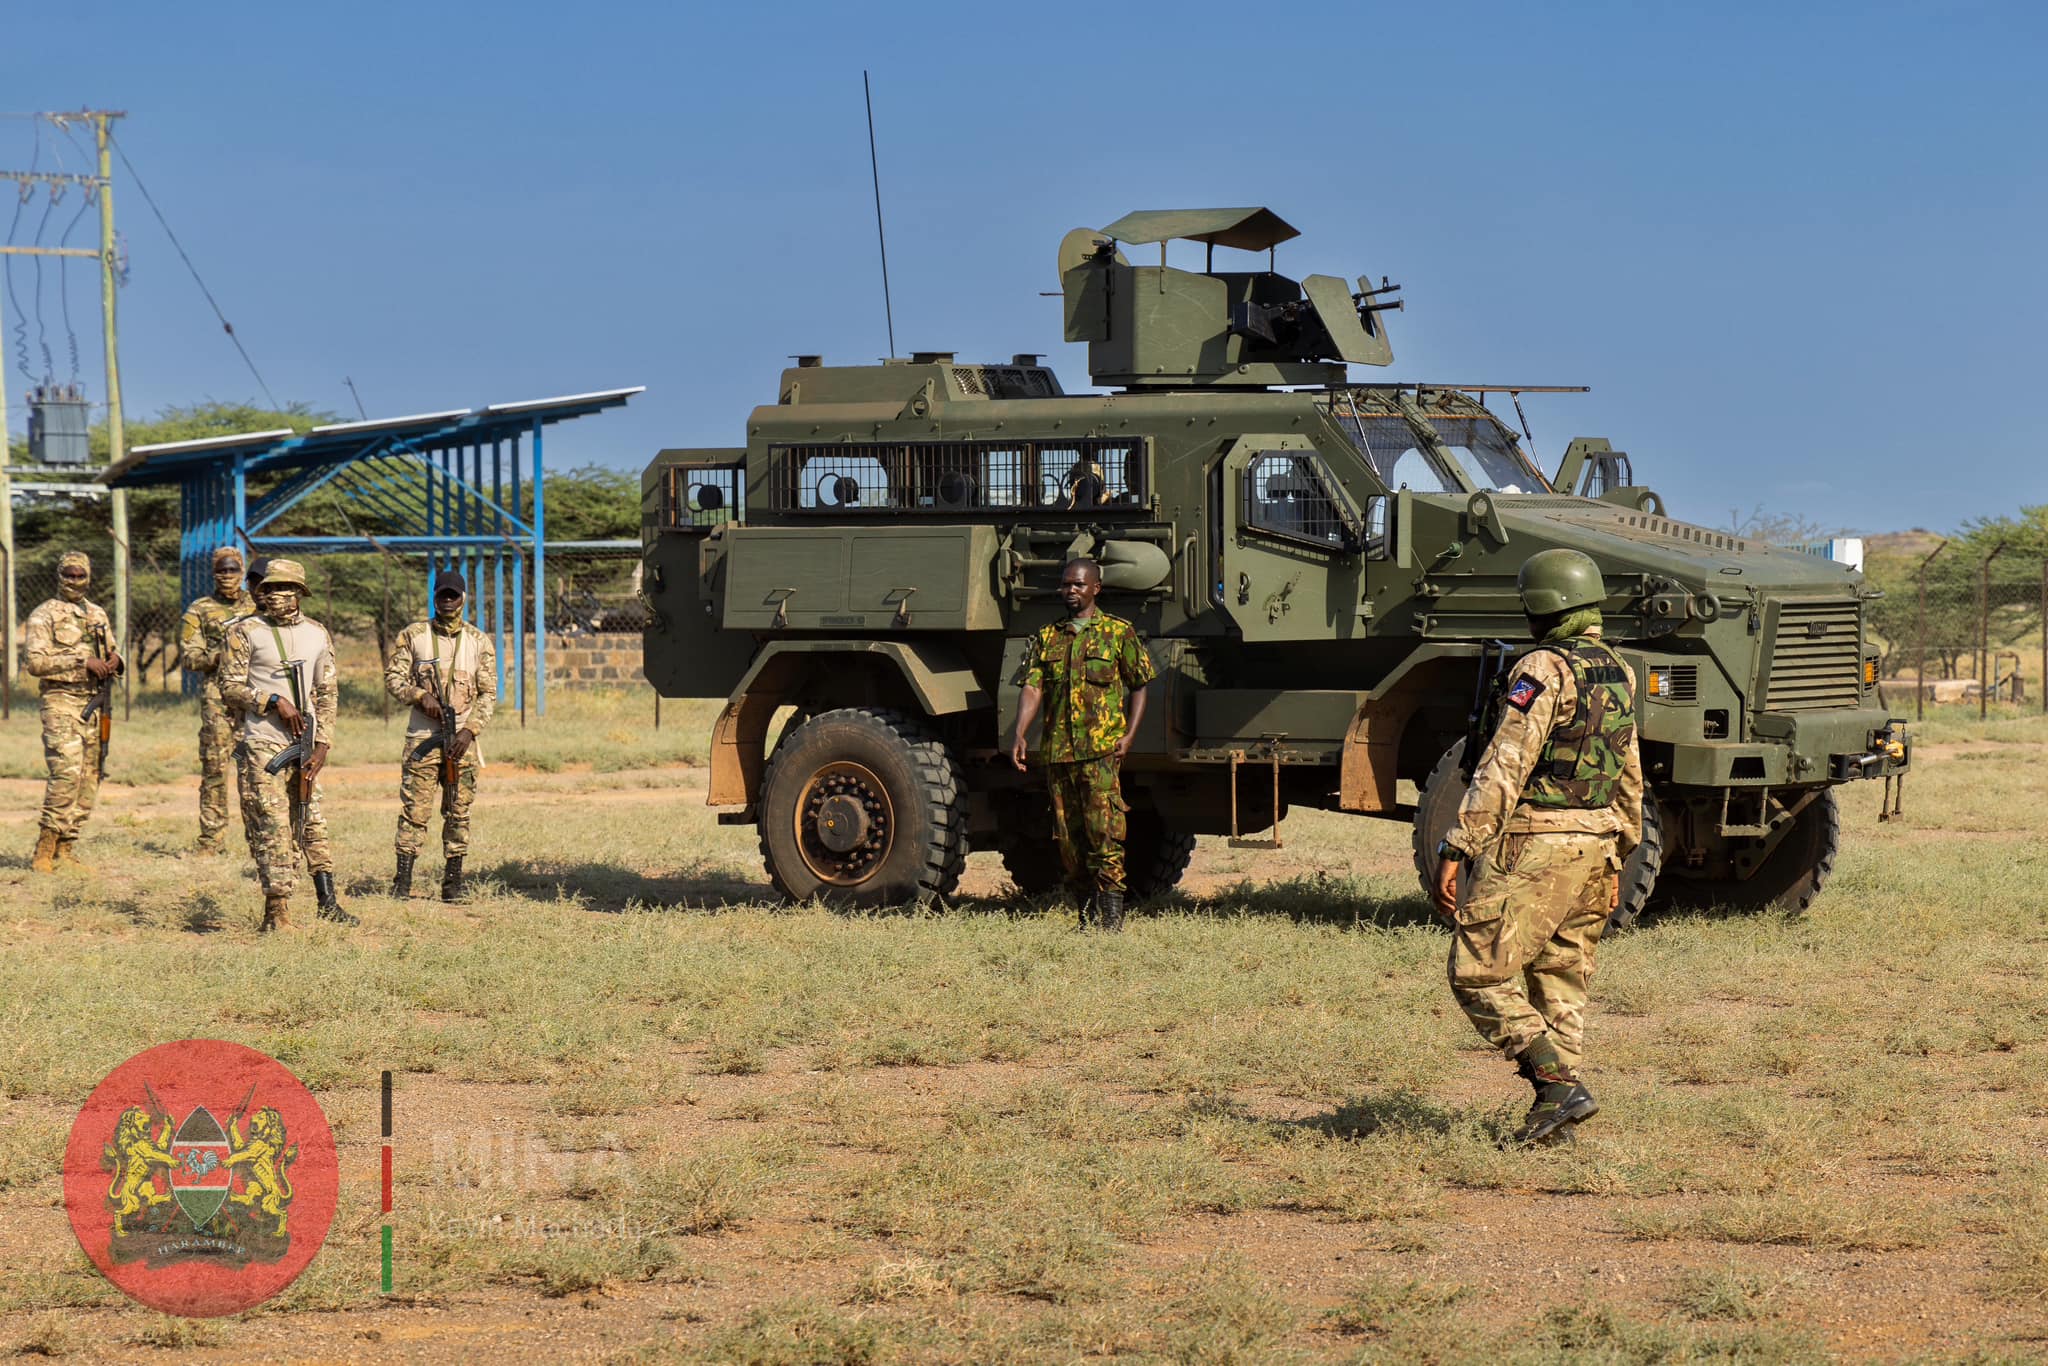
(592, 661)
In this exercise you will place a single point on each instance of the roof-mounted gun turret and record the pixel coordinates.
(1161, 327)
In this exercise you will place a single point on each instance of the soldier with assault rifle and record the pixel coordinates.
(67, 645)
(448, 670)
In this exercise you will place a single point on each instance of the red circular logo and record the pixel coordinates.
(201, 1177)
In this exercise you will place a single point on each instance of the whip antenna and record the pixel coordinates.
(874, 167)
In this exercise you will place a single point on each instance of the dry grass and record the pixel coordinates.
(1252, 1128)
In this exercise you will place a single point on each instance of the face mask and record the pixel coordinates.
(448, 612)
(282, 604)
(73, 590)
(227, 585)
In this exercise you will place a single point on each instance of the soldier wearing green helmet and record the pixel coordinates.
(1553, 811)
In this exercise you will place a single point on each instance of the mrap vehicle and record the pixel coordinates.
(1316, 566)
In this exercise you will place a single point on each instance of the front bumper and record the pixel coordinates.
(1798, 749)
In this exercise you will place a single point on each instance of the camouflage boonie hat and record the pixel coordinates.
(285, 573)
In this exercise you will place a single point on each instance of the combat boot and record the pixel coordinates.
(451, 880)
(1084, 907)
(45, 860)
(210, 846)
(329, 903)
(401, 881)
(275, 906)
(66, 858)
(1109, 910)
(1562, 1099)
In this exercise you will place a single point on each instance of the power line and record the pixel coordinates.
(225, 325)
(64, 276)
(20, 316)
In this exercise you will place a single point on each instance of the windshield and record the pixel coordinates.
(1484, 451)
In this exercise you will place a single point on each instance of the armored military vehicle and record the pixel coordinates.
(1317, 565)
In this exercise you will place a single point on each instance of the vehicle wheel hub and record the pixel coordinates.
(844, 824)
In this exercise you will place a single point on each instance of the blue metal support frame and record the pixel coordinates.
(447, 485)
(540, 580)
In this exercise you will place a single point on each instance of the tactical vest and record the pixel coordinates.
(1580, 766)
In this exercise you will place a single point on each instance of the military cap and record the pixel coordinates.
(448, 581)
(283, 573)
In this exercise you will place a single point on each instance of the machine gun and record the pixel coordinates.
(299, 753)
(443, 739)
(102, 704)
(1494, 659)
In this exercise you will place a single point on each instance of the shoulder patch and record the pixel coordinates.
(1523, 693)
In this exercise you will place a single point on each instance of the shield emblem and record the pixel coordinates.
(201, 1179)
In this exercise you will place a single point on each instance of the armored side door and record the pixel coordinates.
(1289, 542)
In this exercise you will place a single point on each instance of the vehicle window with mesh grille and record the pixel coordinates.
(1485, 452)
(956, 476)
(1390, 447)
(699, 497)
(1291, 494)
(1489, 455)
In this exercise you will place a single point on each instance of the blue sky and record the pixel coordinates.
(1796, 250)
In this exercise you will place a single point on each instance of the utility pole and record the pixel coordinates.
(116, 432)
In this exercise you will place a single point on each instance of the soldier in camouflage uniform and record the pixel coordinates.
(279, 673)
(1079, 670)
(449, 657)
(67, 645)
(1554, 809)
(202, 637)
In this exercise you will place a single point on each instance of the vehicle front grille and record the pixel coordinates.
(1817, 658)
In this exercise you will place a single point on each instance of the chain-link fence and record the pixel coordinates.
(1967, 628)
(365, 598)
(595, 591)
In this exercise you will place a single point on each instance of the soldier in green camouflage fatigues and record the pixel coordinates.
(202, 639)
(67, 645)
(1079, 670)
(1553, 811)
(462, 663)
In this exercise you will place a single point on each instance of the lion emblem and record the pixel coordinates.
(133, 1157)
(263, 1156)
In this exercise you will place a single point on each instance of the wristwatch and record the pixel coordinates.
(1446, 850)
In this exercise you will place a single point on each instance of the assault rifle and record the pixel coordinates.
(443, 739)
(299, 753)
(102, 704)
(1494, 658)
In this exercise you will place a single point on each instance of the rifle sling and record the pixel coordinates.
(284, 658)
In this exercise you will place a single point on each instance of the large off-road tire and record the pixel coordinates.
(863, 807)
(1030, 855)
(1788, 879)
(1437, 811)
(1155, 856)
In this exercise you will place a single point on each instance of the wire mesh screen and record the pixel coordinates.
(1290, 494)
(959, 476)
(595, 592)
(699, 497)
(1480, 446)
